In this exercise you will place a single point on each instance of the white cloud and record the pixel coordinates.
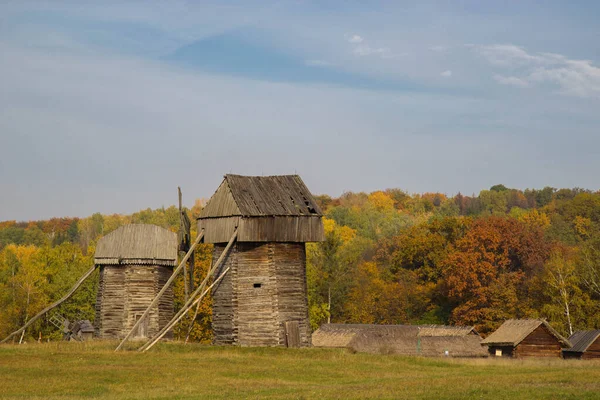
(573, 77)
(362, 48)
(355, 39)
(446, 74)
(511, 80)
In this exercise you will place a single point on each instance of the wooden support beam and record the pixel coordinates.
(53, 305)
(186, 306)
(163, 290)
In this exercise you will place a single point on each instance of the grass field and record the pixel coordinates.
(173, 371)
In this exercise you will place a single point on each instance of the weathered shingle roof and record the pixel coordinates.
(253, 196)
(514, 331)
(581, 340)
(424, 340)
(137, 244)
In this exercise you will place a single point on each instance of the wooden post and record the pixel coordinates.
(176, 320)
(163, 290)
(186, 306)
(182, 232)
(53, 305)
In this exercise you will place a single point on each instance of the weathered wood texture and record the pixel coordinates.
(264, 289)
(137, 244)
(505, 351)
(593, 351)
(423, 340)
(263, 209)
(263, 229)
(586, 345)
(527, 338)
(261, 196)
(124, 293)
(539, 343)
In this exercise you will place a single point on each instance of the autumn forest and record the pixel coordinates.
(389, 258)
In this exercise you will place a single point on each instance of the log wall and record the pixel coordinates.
(539, 343)
(264, 289)
(124, 293)
(593, 351)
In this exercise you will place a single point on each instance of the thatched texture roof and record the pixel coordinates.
(423, 340)
(581, 340)
(137, 244)
(260, 196)
(514, 331)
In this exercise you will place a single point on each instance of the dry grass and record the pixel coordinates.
(173, 371)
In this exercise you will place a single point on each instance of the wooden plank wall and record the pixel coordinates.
(263, 229)
(593, 351)
(289, 260)
(223, 299)
(166, 302)
(539, 343)
(264, 289)
(125, 292)
(256, 306)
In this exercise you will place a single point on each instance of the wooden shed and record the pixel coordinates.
(521, 338)
(586, 345)
(262, 300)
(135, 262)
(409, 340)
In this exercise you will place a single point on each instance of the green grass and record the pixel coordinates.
(173, 371)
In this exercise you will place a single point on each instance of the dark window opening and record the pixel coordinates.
(257, 285)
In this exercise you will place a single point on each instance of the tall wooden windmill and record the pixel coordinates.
(262, 301)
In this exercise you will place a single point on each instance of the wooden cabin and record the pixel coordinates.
(586, 345)
(262, 300)
(520, 338)
(408, 340)
(135, 262)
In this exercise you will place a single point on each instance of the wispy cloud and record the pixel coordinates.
(511, 80)
(573, 77)
(362, 48)
(355, 39)
(446, 74)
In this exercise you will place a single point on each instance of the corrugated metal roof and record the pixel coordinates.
(137, 242)
(253, 196)
(514, 331)
(581, 340)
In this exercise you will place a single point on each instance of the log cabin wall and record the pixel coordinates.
(125, 291)
(539, 343)
(135, 261)
(505, 351)
(264, 289)
(593, 351)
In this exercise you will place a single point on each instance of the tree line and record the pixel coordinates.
(389, 257)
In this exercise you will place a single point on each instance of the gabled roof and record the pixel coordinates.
(137, 243)
(257, 196)
(581, 340)
(514, 331)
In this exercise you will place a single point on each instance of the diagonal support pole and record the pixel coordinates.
(176, 320)
(163, 290)
(53, 305)
(200, 288)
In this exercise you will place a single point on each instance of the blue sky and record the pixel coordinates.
(109, 106)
